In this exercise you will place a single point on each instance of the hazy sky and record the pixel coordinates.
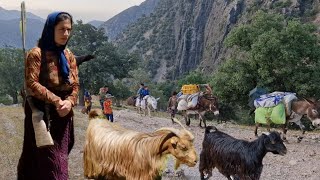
(86, 10)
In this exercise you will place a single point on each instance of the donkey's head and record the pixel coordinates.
(313, 111)
(153, 102)
(211, 104)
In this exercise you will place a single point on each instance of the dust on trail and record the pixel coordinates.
(302, 162)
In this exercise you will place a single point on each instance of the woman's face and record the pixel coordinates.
(62, 32)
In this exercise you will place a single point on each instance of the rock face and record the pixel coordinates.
(200, 43)
(116, 24)
(189, 34)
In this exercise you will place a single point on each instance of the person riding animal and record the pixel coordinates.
(142, 92)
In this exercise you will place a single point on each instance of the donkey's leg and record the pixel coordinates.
(284, 130)
(149, 111)
(299, 123)
(297, 120)
(256, 129)
(172, 115)
(186, 118)
(201, 119)
(204, 122)
(268, 127)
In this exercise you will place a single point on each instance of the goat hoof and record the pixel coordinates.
(179, 173)
(300, 139)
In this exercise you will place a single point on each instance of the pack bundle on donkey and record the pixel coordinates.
(194, 101)
(284, 107)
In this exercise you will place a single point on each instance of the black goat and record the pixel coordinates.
(235, 158)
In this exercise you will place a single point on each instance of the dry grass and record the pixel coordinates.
(11, 138)
(11, 135)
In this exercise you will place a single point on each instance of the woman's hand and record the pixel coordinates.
(64, 107)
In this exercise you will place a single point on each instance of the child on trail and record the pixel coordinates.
(107, 107)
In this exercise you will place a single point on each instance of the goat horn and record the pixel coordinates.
(184, 131)
(175, 131)
(180, 133)
(177, 121)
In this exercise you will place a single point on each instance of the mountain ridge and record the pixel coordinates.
(115, 25)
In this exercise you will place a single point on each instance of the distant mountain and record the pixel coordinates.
(14, 14)
(96, 23)
(10, 34)
(119, 22)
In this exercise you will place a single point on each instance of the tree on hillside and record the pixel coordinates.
(110, 63)
(270, 52)
(11, 72)
(136, 77)
(120, 91)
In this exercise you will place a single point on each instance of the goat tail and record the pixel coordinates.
(210, 129)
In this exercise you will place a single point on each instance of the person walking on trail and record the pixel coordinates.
(51, 79)
(87, 101)
(107, 110)
(172, 105)
(102, 93)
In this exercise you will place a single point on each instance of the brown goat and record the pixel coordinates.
(113, 152)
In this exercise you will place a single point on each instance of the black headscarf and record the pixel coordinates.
(47, 42)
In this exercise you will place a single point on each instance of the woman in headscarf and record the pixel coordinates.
(51, 79)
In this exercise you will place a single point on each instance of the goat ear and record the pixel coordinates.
(157, 99)
(271, 138)
(174, 142)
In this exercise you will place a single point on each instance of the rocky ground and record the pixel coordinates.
(302, 162)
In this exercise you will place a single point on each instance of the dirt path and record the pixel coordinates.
(302, 162)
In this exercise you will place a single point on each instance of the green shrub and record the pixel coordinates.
(6, 100)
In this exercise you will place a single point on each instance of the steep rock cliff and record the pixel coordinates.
(116, 24)
(182, 35)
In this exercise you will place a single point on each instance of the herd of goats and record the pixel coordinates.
(113, 152)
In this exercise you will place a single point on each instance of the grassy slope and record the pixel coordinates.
(11, 140)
